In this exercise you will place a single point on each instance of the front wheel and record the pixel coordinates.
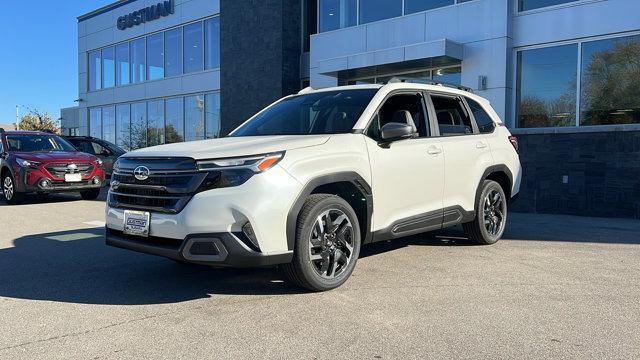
(11, 194)
(90, 194)
(491, 215)
(327, 244)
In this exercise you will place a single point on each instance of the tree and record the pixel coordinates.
(38, 121)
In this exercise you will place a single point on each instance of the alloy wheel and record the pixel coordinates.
(494, 212)
(331, 243)
(8, 188)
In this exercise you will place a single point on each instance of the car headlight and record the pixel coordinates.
(257, 163)
(27, 163)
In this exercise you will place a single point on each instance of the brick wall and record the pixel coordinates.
(601, 171)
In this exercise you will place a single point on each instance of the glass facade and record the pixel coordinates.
(338, 14)
(524, 5)
(158, 121)
(450, 75)
(181, 50)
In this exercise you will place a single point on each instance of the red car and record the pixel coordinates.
(43, 163)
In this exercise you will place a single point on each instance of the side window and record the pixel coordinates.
(484, 121)
(392, 110)
(99, 149)
(452, 116)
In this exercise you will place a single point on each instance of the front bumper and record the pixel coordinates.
(29, 181)
(216, 249)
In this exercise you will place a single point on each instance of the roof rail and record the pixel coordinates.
(401, 79)
(306, 90)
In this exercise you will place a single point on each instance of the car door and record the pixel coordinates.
(102, 152)
(407, 175)
(467, 153)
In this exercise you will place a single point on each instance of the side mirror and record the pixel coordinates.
(396, 131)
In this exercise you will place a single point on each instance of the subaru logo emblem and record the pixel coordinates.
(72, 168)
(141, 173)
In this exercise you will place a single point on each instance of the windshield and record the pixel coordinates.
(38, 143)
(328, 112)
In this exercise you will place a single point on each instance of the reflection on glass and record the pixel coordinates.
(337, 14)
(173, 52)
(174, 126)
(108, 67)
(374, 10)
(212, 115)
(610, 86)
(109, 123)
(448, 75)
(138, 68)
(524, 5)
(546, 87)
(138, 126)
(194, 117)
(155, 121)
(212, 43)
(95, 122)
(123, 126)
(155, 57)
(122, 64)
(413, 6)
(193, 48)
(95, 71)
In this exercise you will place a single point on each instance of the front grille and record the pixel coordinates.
(171, 184)
(58, 170)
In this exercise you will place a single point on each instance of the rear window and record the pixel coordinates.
(38, 143)
(484, 121)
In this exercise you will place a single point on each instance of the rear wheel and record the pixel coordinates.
(491, 215)
(327, 244)
(90, 194)
(11, 194)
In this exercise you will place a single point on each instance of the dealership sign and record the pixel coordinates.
(150, 13)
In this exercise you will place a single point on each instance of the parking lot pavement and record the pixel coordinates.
(555, 287)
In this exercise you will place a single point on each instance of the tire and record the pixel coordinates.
(90, 194)
(11, 195)
(324, 256)
(491, 215)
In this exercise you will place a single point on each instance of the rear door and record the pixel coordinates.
(467, 153)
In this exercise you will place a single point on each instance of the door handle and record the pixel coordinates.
(481, 145)
(433, 150)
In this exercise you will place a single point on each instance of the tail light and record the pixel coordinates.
(514, 141)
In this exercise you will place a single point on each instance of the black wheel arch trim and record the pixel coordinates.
(311, 185)
(494, 169)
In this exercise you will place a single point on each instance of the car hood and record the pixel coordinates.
(231, 146)
(55, 156)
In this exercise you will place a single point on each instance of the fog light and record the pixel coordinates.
(96, 180)
(247, 229)
(45, 183)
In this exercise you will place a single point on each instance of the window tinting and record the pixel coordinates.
(173, 52)
(546, 86)
(374, 10)
(138, 68)
(122, 64)
(194, 117)
(337, 14)
(174, 120)
(212, 115)
(155, 118)
(451, 115)
(212, 43)
(390, 112)
(138, 125)
(413, 6)
(193, 48)
(483, 120)
(95, 71)
(37, 143)
(524, 5)
(327, 112)
(155, 57)
(123, 126)
(108, 67)
(610, 85)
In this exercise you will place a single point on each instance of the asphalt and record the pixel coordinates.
(554, 287)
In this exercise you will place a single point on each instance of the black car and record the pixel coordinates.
(104, 150)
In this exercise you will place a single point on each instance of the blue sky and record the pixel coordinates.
(39, 55)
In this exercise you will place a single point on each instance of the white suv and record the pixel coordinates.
(311, 178)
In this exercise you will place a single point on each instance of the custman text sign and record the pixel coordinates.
(150, 13)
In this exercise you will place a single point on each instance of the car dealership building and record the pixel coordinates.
(563, 74)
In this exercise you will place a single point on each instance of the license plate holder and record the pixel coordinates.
(77, 177)
(136, 223)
